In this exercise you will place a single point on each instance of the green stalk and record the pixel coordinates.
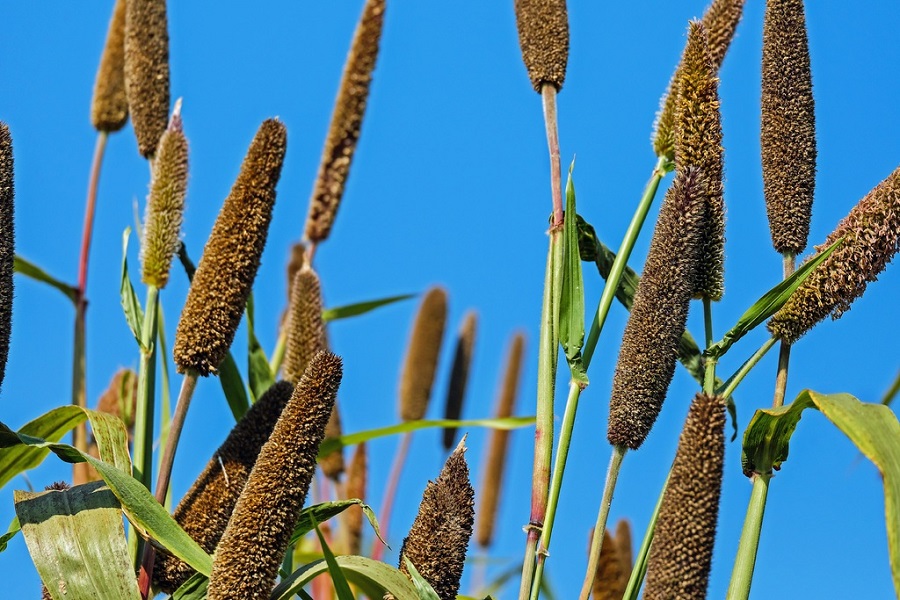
(640, 563)
(615, 464)
(709, 375)
(727, 388)
(784, 355)
(742, 575)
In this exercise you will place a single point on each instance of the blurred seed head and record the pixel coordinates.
(681, 553)
(120, 398)
(623, 543)
(356, 488)
(332, 464)
(422, 355)
(206, 508)
(610, 580)
(657, 320)
(871, 233)
(346, 123)
(544, 39)
(788, 131)
(7, 243)
(147, 71)
(252, 548)
(459, 375)
(109, 105)
(295, 263)
(305, 328)
(225, 275)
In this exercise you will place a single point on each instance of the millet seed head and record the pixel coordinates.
(356, 488)
(611, 579)
(305, 327)
(7, 243)
(109, 104)
(422, 355)
(459, 375)
(147, 71)
(544, 39)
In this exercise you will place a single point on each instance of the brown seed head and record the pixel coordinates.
(306, 330)
(459, 375)
(422, 355)
(120, 397)
(698, 143)
(165, 205)
(204, 511)
(788, 132)
(682, 549)
(871, 235)
(109, 106)
(332, 464)
(495, 459)
(610, 580)
(650, 343)
(356, 488)
(295, 263)
(346, 123)
(623, 543)
(439, 536)
(7, 243)
(231, 258)
(544, 39)
(147, 71)
(251, 550)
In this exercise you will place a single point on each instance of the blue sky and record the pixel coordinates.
(450, 187)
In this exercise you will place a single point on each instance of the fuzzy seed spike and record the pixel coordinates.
(346, 123)
(422, 355)
(698, 143)
(623, 542)
(147, 71)
(871, 233)
(109, 105)
(120, 397)
(7, 243)
(459, 375)
(306, 329)
(332, 464)
(251, 550)
(544, 39)
(657, 320)
(356, 488)
(225, 275)
(204, 511)
(788, 131)
(681, 554)
(295, 263)
(608, 583)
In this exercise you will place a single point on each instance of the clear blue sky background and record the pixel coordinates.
(450, 187)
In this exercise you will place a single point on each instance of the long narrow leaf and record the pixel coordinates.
(233, 386)
(319, 513)
(14, 529)
(32, 271)
(571, 310)
(258, 370)
(364, 572)
(52, 426)
(134, 316)
(423, 588)
(341, 587)
(360, 308)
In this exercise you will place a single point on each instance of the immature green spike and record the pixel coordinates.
(459, 375)
(225, 275)
(7, 243)
(109, 105)
(439, 536)
(871, 234)
(206, 508)
(147, 71)
(544, 39)
(357, 477)
(422, 355)
(165, 205)
(305, 327)
(788, 131)
(252, 548)
(681, 553)
(698, 143)
(346, 123)
(650, 343)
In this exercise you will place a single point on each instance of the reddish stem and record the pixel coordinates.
(390, 492)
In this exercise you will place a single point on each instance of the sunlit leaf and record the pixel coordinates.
(258, 370)
(319, 513)
(368, 574)
(14, 529)
(341, 587)
(423, 588)
(134, 315)
(32, 271)
(571, 310)
(360, 308)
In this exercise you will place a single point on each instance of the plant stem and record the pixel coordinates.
(188, 384)
(709, 375)
(640, 563)
(729, 386)
(548, 99)
(784, 355)
(742, 575)
(145, 411)
(615, 463)
(390, 492)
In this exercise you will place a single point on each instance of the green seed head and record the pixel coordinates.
(7, 243)
(109, 105)
(544, 39)
(422, 355)
(459, 375)
(147, 70)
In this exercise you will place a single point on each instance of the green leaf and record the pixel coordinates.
(32, 271)
(892, 392)
(770, 303)
(571, 310)
(258, 369)
(233, 386)
(16, 458)
(14, 528)
(319, 513)
(341, 587)
(77, 542)
(360, 308)
(364, 572)
(130, 303)
(192, 589)
(423, 588)
(330, 445)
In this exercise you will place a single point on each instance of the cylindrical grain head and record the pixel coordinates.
(295, 263)
(332, 464)
(147, 71)
(788, 130)
(544, 39)
(610, 580)
(422, 355)
(698, 143)
(356, 488)
(251, 550)
(225, 275)
(681, 553)
(204, 511)
(439, 536)
(495, 459)
(305, 328)
(871, 235)
(7, 243)
(109, 105)
(120, 398)
(459, 375)
(165, 205)
(346, 123)
(623, 543)
(650, 343)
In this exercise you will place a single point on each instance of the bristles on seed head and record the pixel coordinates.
(346, 123)
(871, 233)
(681, 554)
(305, 327)
(422, 355)
(225, 275)
(544, 39)
(252, 548)
(788, 130)
(439, 536)
(698, 143)
(459, 375)
(495, 459)
(109, 105)
(147, 70)
(657, 320)
(206, 508)
(165, 205)
(610, 580)
(7, 243)
(356, 488)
